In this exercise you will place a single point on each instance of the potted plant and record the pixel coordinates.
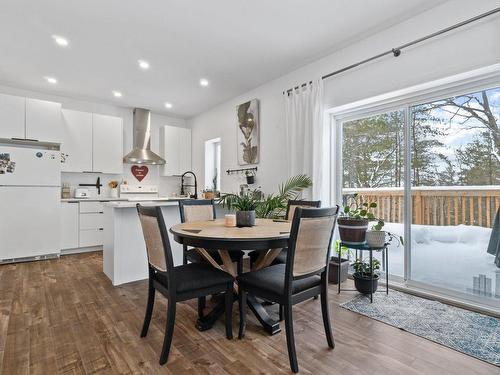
(208, 194)
(353, 223)
(272, 206)
(376, 237)
(339, 263)
(244, 205)
(363, 277)
(250, 177)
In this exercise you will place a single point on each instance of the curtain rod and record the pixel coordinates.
(397, 50)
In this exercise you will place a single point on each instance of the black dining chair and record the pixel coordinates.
(304, 275)
(196, 210)
(177, 283)
(290, 209)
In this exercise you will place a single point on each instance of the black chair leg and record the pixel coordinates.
(169, 331)
(281, 313)
(315, 297)
(290, 339)
(149, 308)
(242, 302)
(326, 317)
(202, 302)
(229, 311)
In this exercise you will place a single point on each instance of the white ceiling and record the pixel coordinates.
(236, 44)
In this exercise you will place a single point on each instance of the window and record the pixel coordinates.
(442, 195)
(212, 164)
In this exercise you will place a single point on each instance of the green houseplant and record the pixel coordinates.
(376, 237)
(266, 206)
(362, 276)
(354, 220)
(244, 205)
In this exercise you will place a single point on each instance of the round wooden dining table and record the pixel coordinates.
(268, 236)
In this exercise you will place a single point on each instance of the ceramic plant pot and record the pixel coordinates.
(375, 238)
(335, 268)
(245, 218)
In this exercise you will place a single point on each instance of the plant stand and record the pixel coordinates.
(370, 249)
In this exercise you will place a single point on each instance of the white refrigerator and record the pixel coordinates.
(30, 180)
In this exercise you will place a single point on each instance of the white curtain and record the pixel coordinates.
(307, 137)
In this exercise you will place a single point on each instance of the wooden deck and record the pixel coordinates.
(64, 317)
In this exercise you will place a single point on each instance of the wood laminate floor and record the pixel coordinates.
(64, 317)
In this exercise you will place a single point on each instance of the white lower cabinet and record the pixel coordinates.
(91, 237)
(91, 224)
(69, 225)
(82, 225)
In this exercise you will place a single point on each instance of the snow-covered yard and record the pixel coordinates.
(446, 256)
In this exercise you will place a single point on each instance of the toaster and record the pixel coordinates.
(82, 193)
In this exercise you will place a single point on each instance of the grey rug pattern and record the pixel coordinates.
(468, 332)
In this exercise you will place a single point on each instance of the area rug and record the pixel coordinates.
(468, 332)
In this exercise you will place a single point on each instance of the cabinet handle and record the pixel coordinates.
(24, 139)
(72, 202)
(101, 228)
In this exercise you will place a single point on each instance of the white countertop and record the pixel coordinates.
(93, 199)
(133, 204)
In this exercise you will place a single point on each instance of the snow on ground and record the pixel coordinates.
(445, 256)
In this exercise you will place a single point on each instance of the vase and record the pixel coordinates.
(113, 193)
(245, 218)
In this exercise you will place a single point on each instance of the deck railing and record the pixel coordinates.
(470, 205)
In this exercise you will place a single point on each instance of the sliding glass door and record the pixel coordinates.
(455, 178)
(449, 180)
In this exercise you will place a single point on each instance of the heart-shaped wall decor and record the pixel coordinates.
(139, 172)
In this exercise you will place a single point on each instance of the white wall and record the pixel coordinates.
(167, 185)
(471, 47)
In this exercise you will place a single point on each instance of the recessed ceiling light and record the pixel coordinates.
(51, 80)
(143, 64)
(63, 42)
(204, 82)
(168, 105)
(117, 94)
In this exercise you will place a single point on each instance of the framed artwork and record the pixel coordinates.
(248, 132)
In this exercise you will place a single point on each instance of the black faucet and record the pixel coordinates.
(97, 185)
(183, 185)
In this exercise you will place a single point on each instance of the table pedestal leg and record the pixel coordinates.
(270, 325)
(209, 319)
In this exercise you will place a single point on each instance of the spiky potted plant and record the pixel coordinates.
(244, 205)
(353, 223)
(364, 277)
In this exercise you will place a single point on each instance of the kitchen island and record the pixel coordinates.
(124, 251)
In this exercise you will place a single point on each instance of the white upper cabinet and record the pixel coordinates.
(185, 150)
(76, 143)
(175, 148)
(107, 144)
(43, 120)
(12, 116)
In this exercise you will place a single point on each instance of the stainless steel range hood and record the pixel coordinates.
(141, 152)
